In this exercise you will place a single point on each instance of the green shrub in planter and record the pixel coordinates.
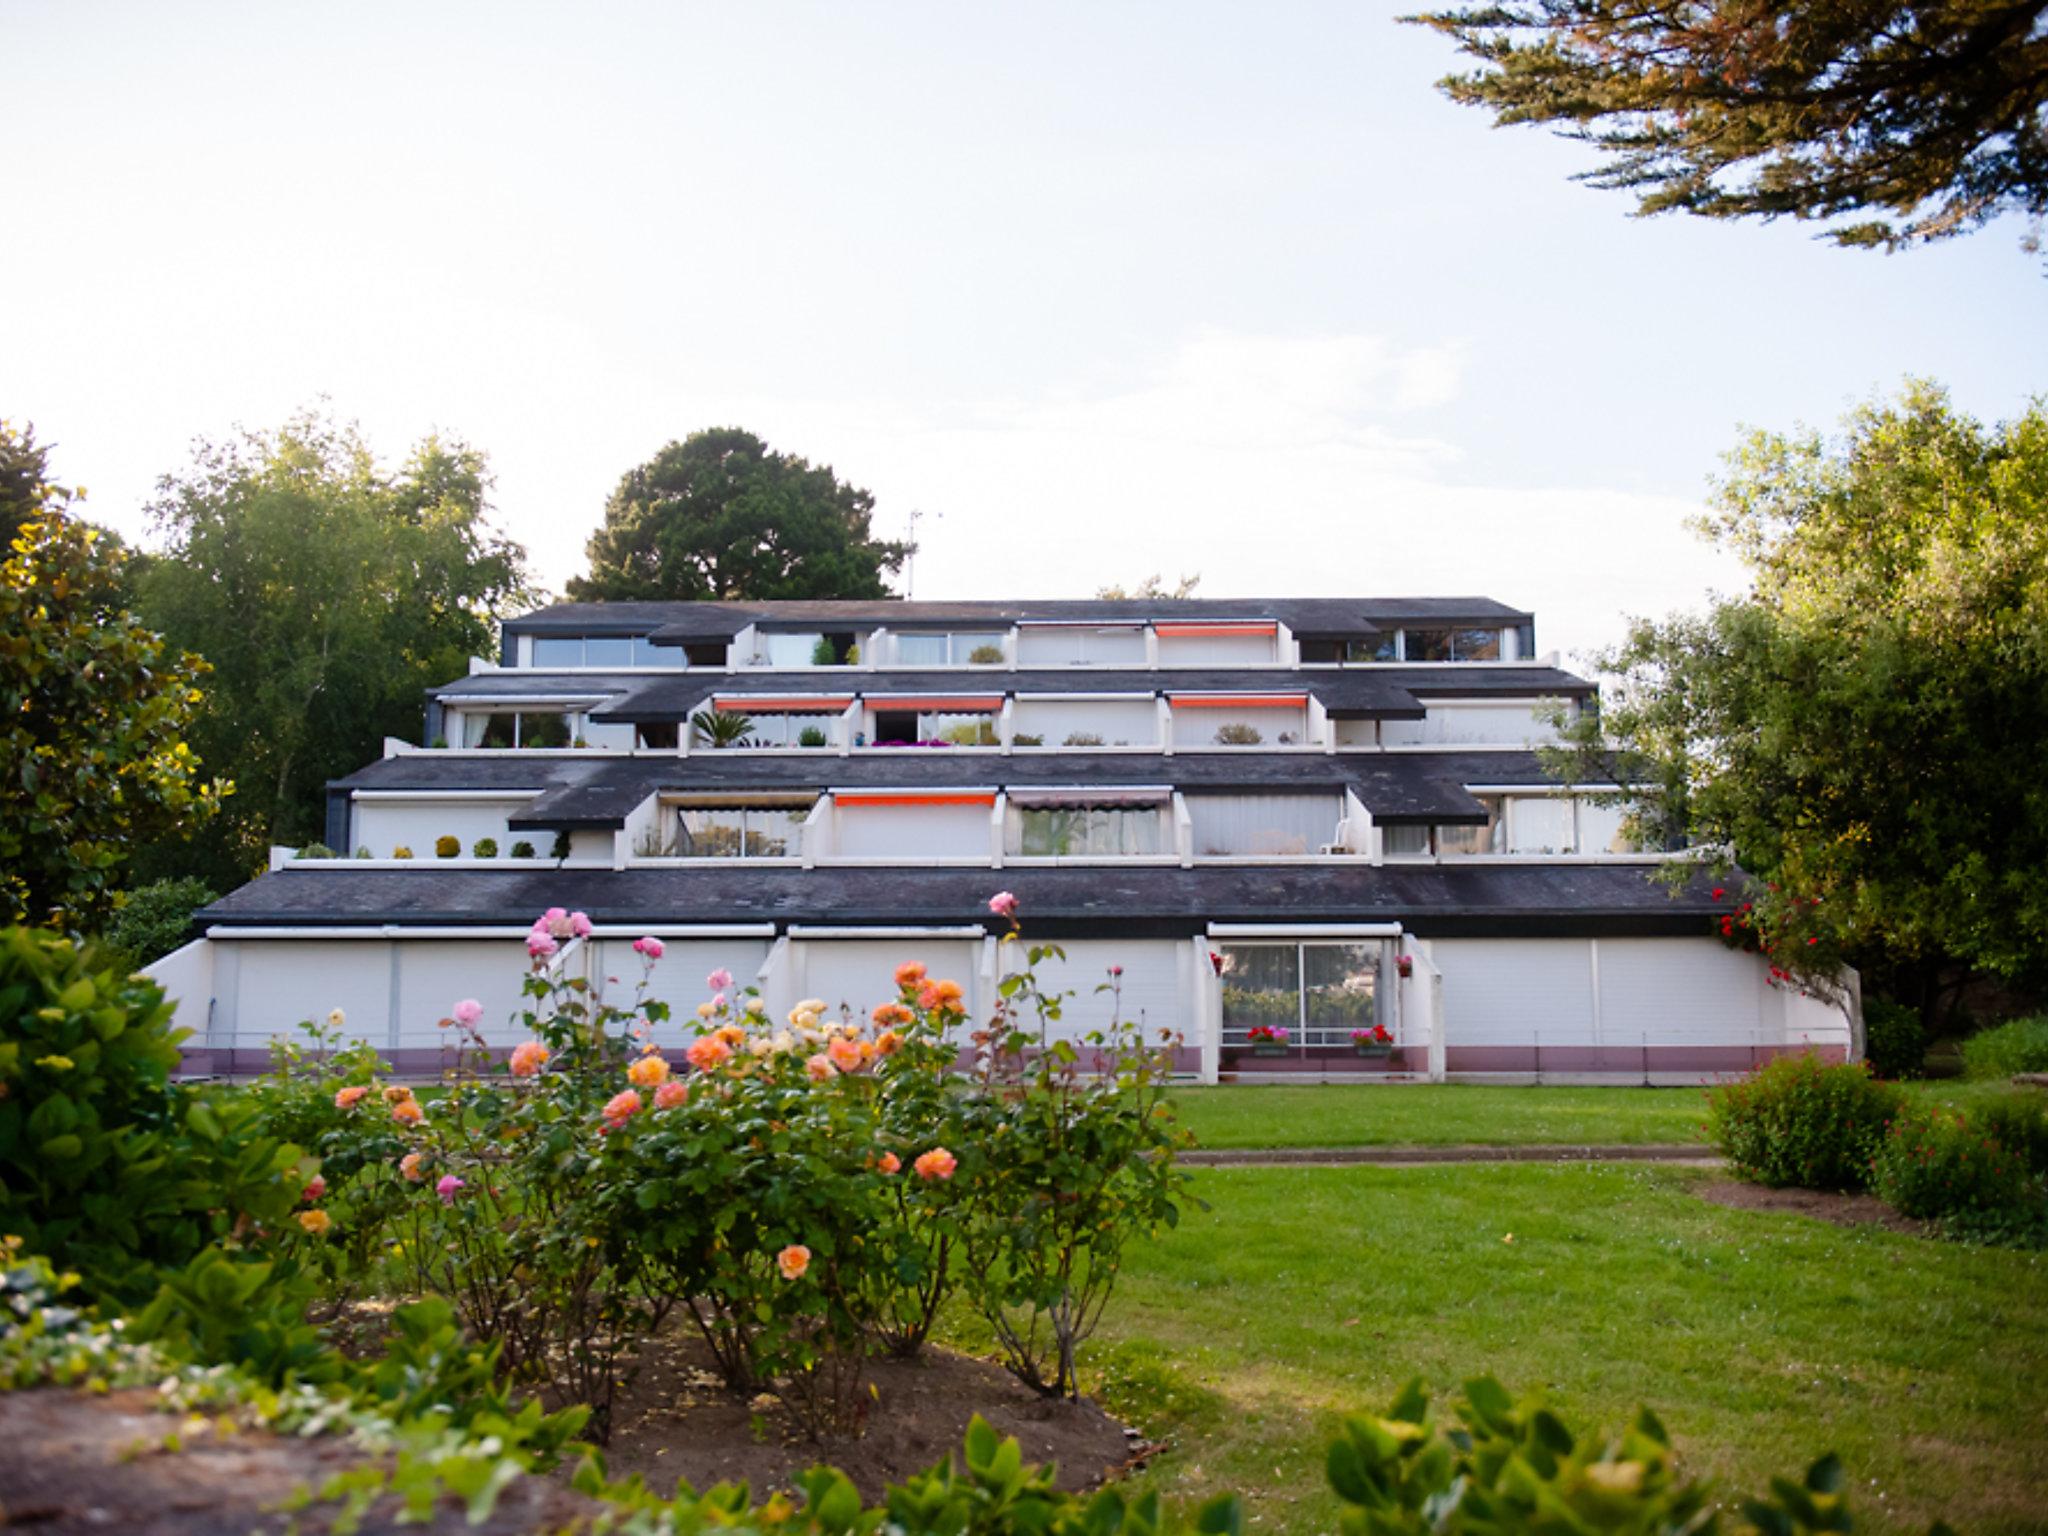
(1941, 1165)
(2020, 1046)
(1802, 1122)
(522, 850)
(985, 656)
(1894, 1042)
(811, 736)
(316, 851)
(560, 849)
(401, 852)
(484, 848)
(447, 847)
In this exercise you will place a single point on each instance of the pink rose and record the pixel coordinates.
(1003, 904)
(540, 945)
(579, 924)
(621, 1108)
(468, 1012)
(447, 1187)
(719, 980)
(315, 1188)
(650, 947)
(670, 1094)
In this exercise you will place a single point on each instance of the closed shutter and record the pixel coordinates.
(1150, 987)
(1679, 992)
(1516, 991)
(859, 973)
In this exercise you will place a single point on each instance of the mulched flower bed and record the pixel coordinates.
(1842, 1210)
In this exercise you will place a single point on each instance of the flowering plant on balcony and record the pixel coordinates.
(1267, 1034)
(1372, 1034)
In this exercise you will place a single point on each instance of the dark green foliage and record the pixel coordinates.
(1909, 120)
(2020, 1125)
(1940, 1166)
(522, 849)
(484, 848)
(560, 848)
(157, 918)
(2018, 1046)
(94, 712)
(316, 851)
(106, 1166)
(327, 594)
(811, 736)
(1863, 727)
(1802, 1122)
(719, 515)
(1894, 1041)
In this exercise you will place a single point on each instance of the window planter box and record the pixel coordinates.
(1372, 1050)
(1269, 1048)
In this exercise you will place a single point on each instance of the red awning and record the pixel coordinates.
(762, 704)
(1222, 627)
(915, 797)
(941, 703)
(1238, 700)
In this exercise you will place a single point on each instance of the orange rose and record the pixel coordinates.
(407, 1112)
(349, 1098)
(888, 1043)
(889, 1162)
(397, 1093)
(528, 1057)
(409, 1165)
(887, 1014)
(936, 1164)
(707, 1053)
(909, 974)
(316, 1223)
(845, 1054)
(793, 1261)
(940, 997)
(648, 1072)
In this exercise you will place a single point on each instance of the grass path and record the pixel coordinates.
(1436, 1115)
(1762, 1339)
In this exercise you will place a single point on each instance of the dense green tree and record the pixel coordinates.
(1862, 732)
(1904, 120)
(721, 515)
(94, 713)
(327, 594)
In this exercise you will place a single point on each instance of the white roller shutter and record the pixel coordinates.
(1151, 985)
(1516, 991)
(860, 973)
(1679, 992)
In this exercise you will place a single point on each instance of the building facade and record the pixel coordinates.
(1292, 826)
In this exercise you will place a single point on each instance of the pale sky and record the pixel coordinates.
(1113, 288)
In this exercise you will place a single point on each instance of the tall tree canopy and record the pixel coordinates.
(1864, 729)
(93, 711)
(1909, 120)
(720, 515)
(326, 594)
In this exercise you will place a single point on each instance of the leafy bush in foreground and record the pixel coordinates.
(1941, 1165)
(2019, 1046)
(1800, 1121)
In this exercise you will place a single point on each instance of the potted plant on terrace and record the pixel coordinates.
(1268, 1039)
(1373, 1040)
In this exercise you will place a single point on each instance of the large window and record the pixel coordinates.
(1086, 832)
(739, 831)
(1466, 838)
(916, 648)
(1081, 645)
(1318, 992)
(518, 728)
(603, 651)
(1264, 826)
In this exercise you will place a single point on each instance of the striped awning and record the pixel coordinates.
(1238, 700)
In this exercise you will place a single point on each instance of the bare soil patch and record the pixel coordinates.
(1822, 1205)
(74, 1463)
(678, 1419)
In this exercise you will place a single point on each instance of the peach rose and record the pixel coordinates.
(909, 974)
(648, 1072)
(409, 1165)
(888, 1043)
(528, 1057)
(939, 996)
(889, 1162)
(397, 1093)
(407, 1112)
(621, 1108)
(349, 1098)
(820, 1067)
(707, 1053)
(936, 1164)
(316, 1222)
(846, 1054)
(887, 1014)
(671, 1094)
(793, 1261)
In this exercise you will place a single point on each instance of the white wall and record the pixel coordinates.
(1063, 645)
(1215, 650)
(270, 985)
(1511, 991)
(436, 974)
(912, 831)
(1151, 985)
(381, 825)
(677, 977)
(859, 973)
(1197, 728)
(1132, 721)
(186, 975)
(1491, 725)
(1684, 992)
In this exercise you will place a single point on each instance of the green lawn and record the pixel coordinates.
(1762, 1340)
(1338, 1115)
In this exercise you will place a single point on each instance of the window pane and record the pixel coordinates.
(1405, 839)
(1475, 645)
(773, 831)
(790, 652)
(1428, 644)
(712, 832)
(1087, 832)
(1542, 824)
(557, 651)
(921, 650)
(1342, 980)
(608, 651)
(1260, 986)
(1471, 839)
(964, 647)
(647, 654)
(961, 730)
(487, 730)
(1525, 640)
(1272, 826)
(543, 730)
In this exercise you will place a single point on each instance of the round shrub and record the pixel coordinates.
(2020, 1046)
(522, 850)
(401, 852)
(1940, 1165)
(1894, 1042)
(1801, 1121)
(484, 848)
(316, 851)
(447, 847)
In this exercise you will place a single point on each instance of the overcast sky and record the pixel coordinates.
(1113, 288)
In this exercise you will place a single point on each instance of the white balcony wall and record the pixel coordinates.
(607, 735)
(381, 825)
(279, 983)
(1119, 722)
(856, 974)
(1077, 645)
(911, 833)
(1489, 725)
(1357, 733)
(1216, 650)
(1516, 991)
(594, 846)
(1263, 826)
(436, 974)
(677, 978)
(1194, 729)
(1151, 987)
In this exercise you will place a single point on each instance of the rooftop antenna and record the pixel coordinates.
(917, 514)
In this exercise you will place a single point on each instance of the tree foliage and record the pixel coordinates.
(721, 515)
(1906, 120)
(326, 594)
(94, 712)
(1862, 730)
(1151, 588)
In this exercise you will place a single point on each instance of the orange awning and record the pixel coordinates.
(1224, 628)
(1238, 700)
(758, 704)
(916, 797)
(941, 703)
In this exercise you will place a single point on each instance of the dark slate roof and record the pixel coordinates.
(535, 682)
(1534, 900)
(597, 792)
(677, 623)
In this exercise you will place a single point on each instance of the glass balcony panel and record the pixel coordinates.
(1342, 985)
(608, 651)
(558, 650)
(1261, 985)
(1264, 826)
